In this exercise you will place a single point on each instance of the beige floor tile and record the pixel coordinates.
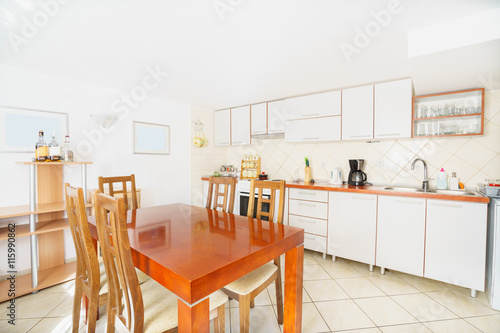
(392, 284)
(38, 305)
(364, 269)
(340, 269)
(359, 287)
(66, 287)
(343, 315)
(460, 304)
(364, 330)
(312, 321)
(410, 328)
(272, 294)
(487, 324)
(481, 296)
(423, 284)
(64, 309)
(21, 325)
(383, 311)
(423, 307)
(324, 290)
(451, 326)
(314, 272)
(61, 324)
(262, 319)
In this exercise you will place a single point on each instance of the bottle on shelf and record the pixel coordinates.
(41, 148)
(66, 151)
(442, 180)
(54, 149)
(454, 182)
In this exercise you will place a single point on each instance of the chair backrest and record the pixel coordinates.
(124, 293)
(86, 256)
(229, 192)
(274, 186)
(123, 180)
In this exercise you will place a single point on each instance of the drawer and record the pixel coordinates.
(312, 209)
(310, 225)
(315, 243)
(313, 195)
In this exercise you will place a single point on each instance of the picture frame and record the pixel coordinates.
(19, 128)
(150, 138)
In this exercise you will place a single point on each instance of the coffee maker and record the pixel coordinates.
(356, 176)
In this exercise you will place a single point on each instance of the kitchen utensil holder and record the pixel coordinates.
(308, 177)
(255, 167)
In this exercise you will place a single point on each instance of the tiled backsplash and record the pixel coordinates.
(474, 159)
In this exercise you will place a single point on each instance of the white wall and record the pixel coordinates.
(162, 178)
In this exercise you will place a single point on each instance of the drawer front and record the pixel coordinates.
(313, 226)
(313, 195)
(315, 243)
(311, 209)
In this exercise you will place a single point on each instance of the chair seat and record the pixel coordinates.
(160, 306)
(252, 280)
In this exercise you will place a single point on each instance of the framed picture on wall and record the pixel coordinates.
(19, 128)
(151, 138)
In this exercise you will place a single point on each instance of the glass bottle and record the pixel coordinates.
(66, 151)
(41, 148)
(54, 149)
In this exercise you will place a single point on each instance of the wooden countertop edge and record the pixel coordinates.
(377, 189)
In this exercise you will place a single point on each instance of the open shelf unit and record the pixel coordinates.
(45, 228)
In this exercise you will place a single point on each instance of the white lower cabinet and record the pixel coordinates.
(401, 234)
(455, 248)
(352, 226)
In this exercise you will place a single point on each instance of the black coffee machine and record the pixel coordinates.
(356, 176)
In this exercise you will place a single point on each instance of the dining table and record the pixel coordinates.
(194, 251)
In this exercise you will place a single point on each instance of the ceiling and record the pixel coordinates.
(225, 53)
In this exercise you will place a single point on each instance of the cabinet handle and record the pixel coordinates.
(446, 205)
(224, 143)
(274, 131)
(306, 221)
(307, 204)
(309, 237)
(310, 138)
(307, 193)
(409, 202)
(259, 132)
(310, 115)
(363, 198)
(389, 134)
(361, 136)
(238, 142)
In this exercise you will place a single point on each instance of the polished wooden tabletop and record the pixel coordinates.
(194, 251)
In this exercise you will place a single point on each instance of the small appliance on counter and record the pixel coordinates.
(356, 176)
(335, 177)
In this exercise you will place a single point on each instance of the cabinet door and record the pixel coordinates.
(455, 248)
(312, 130)
(400, 234)
(352, 220)
(240, 126)
(222, 128)
(393, 109)
(357, 113)
(317, 105)
(276, 117)
(259, 119)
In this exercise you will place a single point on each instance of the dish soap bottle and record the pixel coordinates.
(454, 181)
(442, 180)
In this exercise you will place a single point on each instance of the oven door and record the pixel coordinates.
(244, 198)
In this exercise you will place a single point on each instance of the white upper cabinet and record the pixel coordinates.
(311, 106)
(222, 128)
(259, 119)
(276, 117)
(393, 109)
(357, 113)
(312, 130)
(240, 126)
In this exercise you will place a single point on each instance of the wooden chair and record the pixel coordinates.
(246, 288)
(132, 308)
(229, 185)
(90, 278)
(123, 180)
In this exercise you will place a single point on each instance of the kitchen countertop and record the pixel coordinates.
(379, 189)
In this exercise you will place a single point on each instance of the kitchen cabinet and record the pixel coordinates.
(259, 119)
(222, 128)
(352, 226)
(268, 118)
(449, 114)
(308, 209)
(311, 106)
(313, 130)
(455, 247)
(240, 126)
(357, 113)
(401, 234)
(392, 112)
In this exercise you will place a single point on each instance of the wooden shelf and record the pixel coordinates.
(53, 163)
(24, 210)
(41, 228)
(46, 278)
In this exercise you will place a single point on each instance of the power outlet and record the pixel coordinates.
(380, 163)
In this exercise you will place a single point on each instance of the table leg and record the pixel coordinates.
(193, 317)
(294, 270)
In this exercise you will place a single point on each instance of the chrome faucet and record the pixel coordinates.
(425, 182)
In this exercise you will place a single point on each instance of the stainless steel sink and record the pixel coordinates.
(433, 191)
(402, 189)
(452, 192)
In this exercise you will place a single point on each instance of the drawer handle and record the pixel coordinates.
(310, 115)
(362, 198)
(306, 221)
(389, 134)
(224, 143)
(238, 142)
(310, 138)
(308, 193)
(307, 204)
(275, 131)
(309, 237)
(409, 202)
(361, 136)
(446, 205)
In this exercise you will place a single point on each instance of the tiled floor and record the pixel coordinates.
(341, 296)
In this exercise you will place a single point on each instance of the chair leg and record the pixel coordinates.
(252, 303)
(279, 298)
(220, 320)
(93, 312)
(77, 306)
(244, 313)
